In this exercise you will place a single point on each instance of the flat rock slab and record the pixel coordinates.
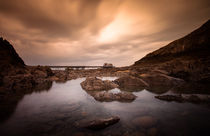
(95, 84)
(98, 124)
(107, 96)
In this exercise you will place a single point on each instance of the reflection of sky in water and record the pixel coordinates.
(63, 68)
(60, 102)
(108, 78)
(58, 68)
(114, 91)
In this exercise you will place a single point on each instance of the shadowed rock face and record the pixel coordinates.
(15, 75)
(195, 43)
(17, 79)
(187, 58)
(8, 58)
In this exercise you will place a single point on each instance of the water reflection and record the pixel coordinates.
(55, 112)
(9, 101)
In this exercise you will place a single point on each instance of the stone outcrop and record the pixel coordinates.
(152, 81)
(8, 58)
(105, 96)
(95, 84)
(17, 79)
(99, 90)
(98, 124)
(15, 75)
(187, 58)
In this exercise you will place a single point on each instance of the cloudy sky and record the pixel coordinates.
(91, 32)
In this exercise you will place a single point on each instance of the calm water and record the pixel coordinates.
(62, 69)
(55, 112)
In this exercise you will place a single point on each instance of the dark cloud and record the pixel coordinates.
(92, 32)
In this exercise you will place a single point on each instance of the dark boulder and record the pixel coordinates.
(98, 124)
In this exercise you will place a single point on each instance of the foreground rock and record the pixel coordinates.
(106, 96)
(185, 98)
(98, 123)
(95, 84)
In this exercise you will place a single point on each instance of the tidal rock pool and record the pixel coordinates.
(57, 111)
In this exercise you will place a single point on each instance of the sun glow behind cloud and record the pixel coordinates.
(81, 32)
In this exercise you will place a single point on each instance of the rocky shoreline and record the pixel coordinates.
(172, 68)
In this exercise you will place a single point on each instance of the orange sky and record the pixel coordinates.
(91, 32)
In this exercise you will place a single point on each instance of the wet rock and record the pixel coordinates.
(98, 124)
(54, 78)
(108, 96)
(19, 82)
(131, 83)
(177, 98)
(185, 98)
(25, 82)
(145, 121)
(61, 76)
(95, 84)
(40, 71)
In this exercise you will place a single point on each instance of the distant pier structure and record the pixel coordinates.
(106, 65)
(74, 67)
